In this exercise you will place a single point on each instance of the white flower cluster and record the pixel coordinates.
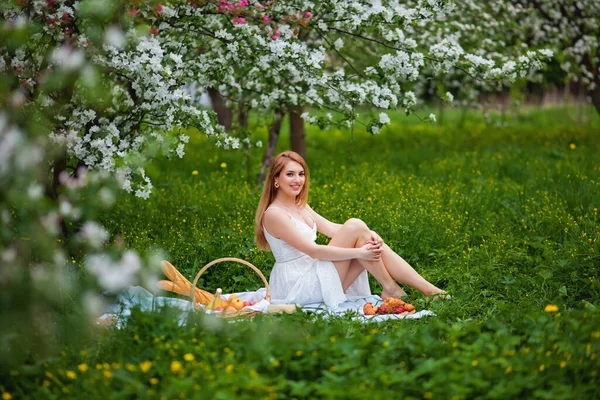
(114, 275)
(402, 66)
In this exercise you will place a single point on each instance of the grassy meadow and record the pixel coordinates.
(503, 215)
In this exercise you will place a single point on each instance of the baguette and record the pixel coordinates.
(180, 285)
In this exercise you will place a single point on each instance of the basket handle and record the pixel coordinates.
(224, 259)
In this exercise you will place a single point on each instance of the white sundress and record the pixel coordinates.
(297, 278)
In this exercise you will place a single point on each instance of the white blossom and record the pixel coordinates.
(68, 58)
(35, 191)
(384, 119)
(94, 234)
(114, 276)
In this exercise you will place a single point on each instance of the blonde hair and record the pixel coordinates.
(270, 191)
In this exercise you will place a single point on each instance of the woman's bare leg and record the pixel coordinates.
(354, 233)
(401, 271)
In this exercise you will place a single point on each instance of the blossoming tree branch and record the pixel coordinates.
(129, 78)
(328, 55)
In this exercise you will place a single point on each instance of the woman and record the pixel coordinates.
(306, 272)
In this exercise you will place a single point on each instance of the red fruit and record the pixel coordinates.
(384, 309)
(248, 303)
(399, 309)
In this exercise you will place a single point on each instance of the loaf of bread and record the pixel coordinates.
(177, 283)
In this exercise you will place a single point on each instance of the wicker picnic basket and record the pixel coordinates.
(244, 312)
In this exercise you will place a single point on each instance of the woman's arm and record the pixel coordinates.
(324, 226)
(279, 225)
(329, 228)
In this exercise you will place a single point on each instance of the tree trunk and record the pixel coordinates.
(297, 133)
(243, 117)
(224, 114)
(59, 165)
(243, 126)
(270, 150)
(595, 95)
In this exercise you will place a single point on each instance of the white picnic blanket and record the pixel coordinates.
(137, 296)
(355, 306)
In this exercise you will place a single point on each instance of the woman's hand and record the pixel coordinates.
(376, 238)
(370, 251)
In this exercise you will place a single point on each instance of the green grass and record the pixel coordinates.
(504, 218)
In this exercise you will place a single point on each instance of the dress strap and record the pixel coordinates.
(279, 208)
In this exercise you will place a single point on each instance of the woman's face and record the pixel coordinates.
(291, 179)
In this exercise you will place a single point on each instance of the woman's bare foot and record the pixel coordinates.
(442, 295)
(396, 294)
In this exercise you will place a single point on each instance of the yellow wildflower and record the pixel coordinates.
(176, 366)
(194, 172)
(145, 366)
(82, 367)
(572, 146)
(223, 165)
(153, 381)
(551, 308)
(71, 374)
(188, 357)
(6, 396)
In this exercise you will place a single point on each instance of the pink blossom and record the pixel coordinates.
(307, 14)
(221, 7)
(159, 8)
(242, 3)
(194, 5)
(265, 18)
(259, 6)
(133, 12)
(231, 6)
(238, 20)
(154, 30)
